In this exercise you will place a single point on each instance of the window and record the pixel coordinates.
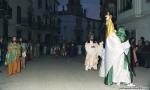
(5, 29)
(39, 21)
(59, 21)
(128, 4)
(111, 7)
(9, 12)
(39, 37)
(1, 3)
(46, 21)
(29, 36)
(46, 4)
(39, 4)
(18, 15)
(30, 16)
(50, 21)
(125, 5)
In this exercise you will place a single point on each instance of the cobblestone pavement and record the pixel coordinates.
(63, 73)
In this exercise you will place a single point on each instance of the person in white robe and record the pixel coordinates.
(91, 60)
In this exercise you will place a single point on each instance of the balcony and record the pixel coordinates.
(34, 25)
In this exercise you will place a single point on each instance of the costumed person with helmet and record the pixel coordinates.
(117, 56)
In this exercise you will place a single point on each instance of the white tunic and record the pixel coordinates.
(91, 54)
(120, 73)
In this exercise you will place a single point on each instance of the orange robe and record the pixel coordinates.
(13, 59)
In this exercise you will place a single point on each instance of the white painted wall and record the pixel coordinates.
(140, 24)
(145, 5)
(70, 21)
(142, 27)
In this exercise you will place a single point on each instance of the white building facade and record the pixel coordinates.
(135, 16)
(76, 29)
(74, 25)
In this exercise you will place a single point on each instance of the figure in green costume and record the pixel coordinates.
(116, 53)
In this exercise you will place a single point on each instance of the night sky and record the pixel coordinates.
(92, 7)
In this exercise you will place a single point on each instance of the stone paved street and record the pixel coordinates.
(62, 73)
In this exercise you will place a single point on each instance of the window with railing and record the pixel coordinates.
(125, 5)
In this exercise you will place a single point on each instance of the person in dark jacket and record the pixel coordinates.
(2, 51)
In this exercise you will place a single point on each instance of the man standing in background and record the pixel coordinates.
(23, 49)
